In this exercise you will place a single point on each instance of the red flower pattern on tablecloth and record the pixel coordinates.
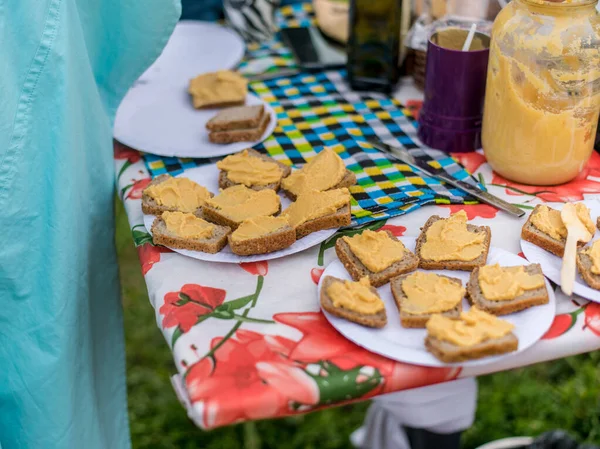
(256, 268)
(398, 231)
(474, 210)
(471, 161)
(251, 378)
(414, 106)
(571, 191)
(124, 152)
(149, 255)
(316, 273)
(560, 325)
(138, 187)
(184, 312)
(592, 318)
(321, 342)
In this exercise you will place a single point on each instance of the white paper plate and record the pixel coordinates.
(407, 345)
(208, 176)
(552, 264)
(195, 47)
(161, 120)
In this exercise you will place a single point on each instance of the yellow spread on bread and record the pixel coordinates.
(223, 86)
(593, 251)
(473, 327)
(311, 205)
(258, 227)
(450, 239)
(548, 221)
(376, 250)
(239, 203)
(243, 168)
(187, 225)
(322, 172)
(506, 283)
(182, 194)
(355, 296)
(427, 293)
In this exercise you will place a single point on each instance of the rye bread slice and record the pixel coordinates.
(241, 134)
(450, 353)
(453, 264)
(150, 206)
(215, 216)
(411, 320)
(274, 241)
(348, 180)
(584, 266)
(225, 182)
(358, 270)
(378, 320)
(530, 233)
(215, 105)
(528, 299)
(341, 217)
(240, 117)
(162, 236)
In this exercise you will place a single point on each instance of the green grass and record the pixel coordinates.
(562, 394)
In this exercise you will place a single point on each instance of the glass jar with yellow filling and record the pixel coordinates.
(543, 90)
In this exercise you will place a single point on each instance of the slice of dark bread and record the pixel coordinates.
(241, 134)
(453, 264)
(225, 182)
(348, 180)
(530, 233)
(378, 320)
(357, 270)
(528, 299)
(162, 236)
(215, 216)
(342, 217)
(240, 117)
(149, 205)
(410, 320)
(275, 241)
(584, 266)
(450, 353)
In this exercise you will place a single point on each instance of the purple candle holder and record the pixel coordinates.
(452, 113)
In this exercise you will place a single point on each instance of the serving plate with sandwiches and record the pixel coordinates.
(249, 207)
(543, 241)
(446, 297)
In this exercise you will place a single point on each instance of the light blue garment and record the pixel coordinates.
(64, 67)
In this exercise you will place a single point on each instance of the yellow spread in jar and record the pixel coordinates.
(187, 225)
(258, 227)
(473, 327)
(223, 86)
(449, 239)
(355, 296)
(430, 293)
(240, 203)
(376, 250)
(311, 205)
(593, 251)
(504, 283)
(548, 221)
(243, 168)
(182, 194)
(323, 172)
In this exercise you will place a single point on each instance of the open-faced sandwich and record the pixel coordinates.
(166, 193)
(380, 256)
(503, 290)
(474, 335)
(326, 171)
(238, 124)
(188, 231)
(358, 302)
(218, 89)
(252, 169)
(545, 228)
(262, 235)
(452, 244)
(588, 264)
(420, 295)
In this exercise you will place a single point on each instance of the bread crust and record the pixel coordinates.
(584, 264)
(276, 241)
(240, 135)
(342, 217)
(149, 205)
(531, 234)
(213, 245)
(451, 353)
(216, 124)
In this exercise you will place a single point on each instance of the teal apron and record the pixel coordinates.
(64, 67)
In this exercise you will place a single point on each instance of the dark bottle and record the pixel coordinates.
(374, 44)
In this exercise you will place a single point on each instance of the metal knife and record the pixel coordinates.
(405, 157)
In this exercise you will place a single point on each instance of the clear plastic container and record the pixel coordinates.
(542, 97)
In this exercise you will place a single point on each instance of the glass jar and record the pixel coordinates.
(542, 98)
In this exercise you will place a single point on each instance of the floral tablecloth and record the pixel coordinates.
(249, 341)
